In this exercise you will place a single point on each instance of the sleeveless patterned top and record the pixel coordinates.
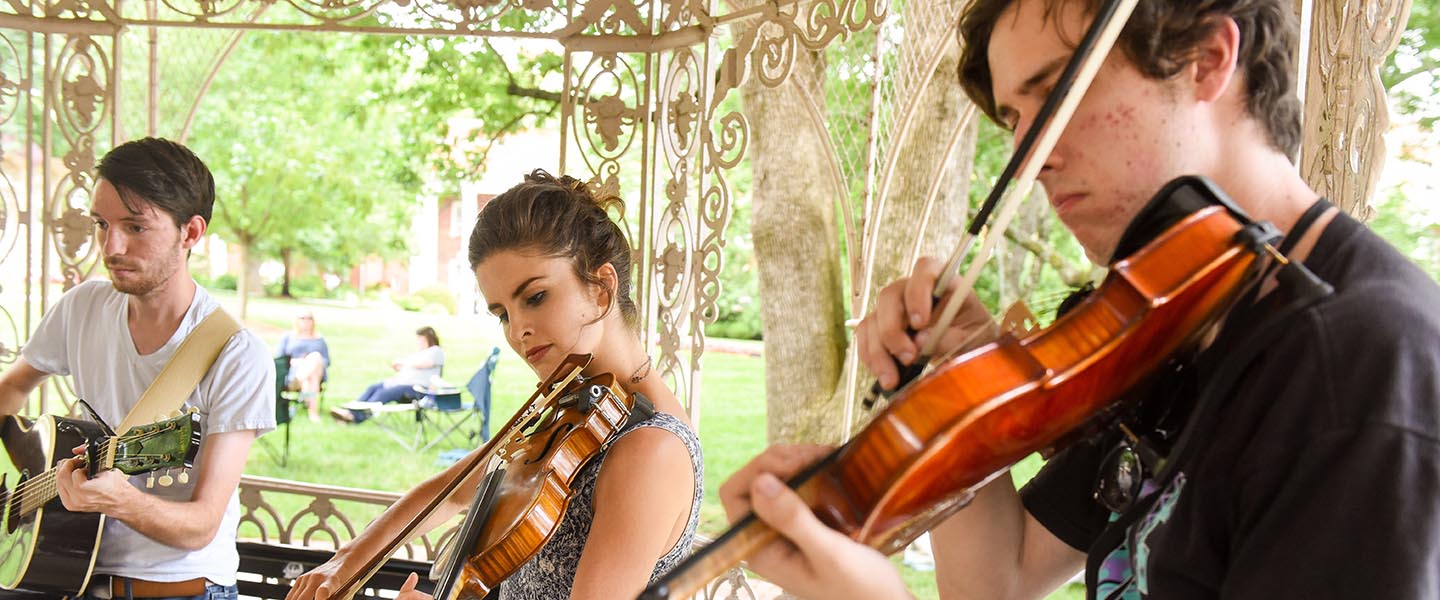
(551, 574)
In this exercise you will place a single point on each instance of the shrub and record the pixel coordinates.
(226, 281)
(410, 303)
(308, 286)
(202, 279)
(435, 295)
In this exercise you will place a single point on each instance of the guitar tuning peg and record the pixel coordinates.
(183, 477)
(150, 481)
(192, 410)
(166, 481)
(160, 417)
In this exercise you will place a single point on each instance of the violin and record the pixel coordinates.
(525, 471)
(970, 419)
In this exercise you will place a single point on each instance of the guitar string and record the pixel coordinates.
(44, 488)
(104, 457)
(35, 492)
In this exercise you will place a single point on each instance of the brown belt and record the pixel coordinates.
(139, 588)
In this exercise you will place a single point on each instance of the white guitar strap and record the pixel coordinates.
(180, 376)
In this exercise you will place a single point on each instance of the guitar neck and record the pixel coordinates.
(31, 494)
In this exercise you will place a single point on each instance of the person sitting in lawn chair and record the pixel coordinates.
(309, 357)
(416, 369)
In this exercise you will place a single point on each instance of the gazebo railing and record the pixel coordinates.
(283, 515)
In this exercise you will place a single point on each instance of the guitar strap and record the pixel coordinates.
(180, 376)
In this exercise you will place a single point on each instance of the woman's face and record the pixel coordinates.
(305, 323)
(422, 342)
(546, 311)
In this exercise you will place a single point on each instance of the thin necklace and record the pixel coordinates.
(641, 372)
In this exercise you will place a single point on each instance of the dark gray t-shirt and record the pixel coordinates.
(1321, 476)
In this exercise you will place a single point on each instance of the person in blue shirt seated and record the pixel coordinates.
(416, 369)
(309, 358)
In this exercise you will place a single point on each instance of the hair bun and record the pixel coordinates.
(600, 197)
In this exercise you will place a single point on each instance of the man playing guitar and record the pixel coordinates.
(152, 203)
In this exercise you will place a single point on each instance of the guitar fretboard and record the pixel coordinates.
(33, 493)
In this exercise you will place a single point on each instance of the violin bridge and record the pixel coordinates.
(1019, 321)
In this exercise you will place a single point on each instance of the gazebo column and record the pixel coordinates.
(1343, 148)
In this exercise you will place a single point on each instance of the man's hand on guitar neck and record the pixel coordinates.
(103, 493)
(186, 524)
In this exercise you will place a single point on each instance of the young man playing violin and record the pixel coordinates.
(1326, 451)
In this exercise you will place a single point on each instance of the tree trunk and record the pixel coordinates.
(285, 276)
(936, 116)
(797, 254)
(932, 125)
(796, 239)
(242, 283)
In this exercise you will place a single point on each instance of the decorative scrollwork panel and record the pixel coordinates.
(1346, 115)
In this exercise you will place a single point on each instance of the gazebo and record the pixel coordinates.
(644, 85)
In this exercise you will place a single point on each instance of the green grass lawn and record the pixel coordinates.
(362, 343)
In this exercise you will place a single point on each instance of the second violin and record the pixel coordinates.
(528, 477)
(525, 473)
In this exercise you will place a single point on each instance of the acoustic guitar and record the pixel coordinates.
(45, 550)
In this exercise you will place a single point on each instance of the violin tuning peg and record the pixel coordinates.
(166, 481)
(183, 477)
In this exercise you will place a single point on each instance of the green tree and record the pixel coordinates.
(436, 79)
(322, 143)
(316, 166)
(1412, 73)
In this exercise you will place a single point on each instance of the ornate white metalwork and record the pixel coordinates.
(643, 109)
(1346, 115)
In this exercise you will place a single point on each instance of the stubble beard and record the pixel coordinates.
(148, 279)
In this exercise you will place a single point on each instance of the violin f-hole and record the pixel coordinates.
(563, 429)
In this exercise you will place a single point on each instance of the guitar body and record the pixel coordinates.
(50, 550)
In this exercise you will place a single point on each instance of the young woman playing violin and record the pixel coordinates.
(555, 270)
(1317, 477)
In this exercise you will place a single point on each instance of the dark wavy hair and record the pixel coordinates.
(162, 173)
(1160, 39)
(429, 334)
(559, 217)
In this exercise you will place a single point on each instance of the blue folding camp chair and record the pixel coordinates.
(450, 419)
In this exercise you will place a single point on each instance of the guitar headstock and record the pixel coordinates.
(171, 443)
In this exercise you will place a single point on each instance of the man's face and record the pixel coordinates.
(143, 251)
(1125, 140)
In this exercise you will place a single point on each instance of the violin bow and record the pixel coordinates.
(1079, 72)
(546, 391)
(1032, 152)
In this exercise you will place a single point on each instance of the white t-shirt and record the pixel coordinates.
(85, 336)
(408, 375)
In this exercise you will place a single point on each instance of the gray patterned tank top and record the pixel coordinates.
(551, 574)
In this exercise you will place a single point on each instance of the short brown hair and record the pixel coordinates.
(1159, 40)
(163, 173)
(559, 217)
